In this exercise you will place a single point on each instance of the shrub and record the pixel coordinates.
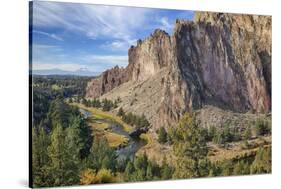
(262, 162)
(87, 176)
(104, 176)
(247, 133)
(262, 127)
(120, 112)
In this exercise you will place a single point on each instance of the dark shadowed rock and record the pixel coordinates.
(137, 132)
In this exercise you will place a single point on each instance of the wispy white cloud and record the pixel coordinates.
(95, 37)
(46, 52)
(166, 24)
(53, 36)
(118, 45)
(44, 47)
(119, 23)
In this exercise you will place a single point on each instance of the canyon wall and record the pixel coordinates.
(218, 59)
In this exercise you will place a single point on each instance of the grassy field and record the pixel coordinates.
(236, 149)
(148, 138)
(156, 151)
(101, 129)
(116, 140)
(99, 114)
(56, 87)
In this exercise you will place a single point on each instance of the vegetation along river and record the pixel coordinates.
(123, 152)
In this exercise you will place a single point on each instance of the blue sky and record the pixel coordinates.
(74, 37)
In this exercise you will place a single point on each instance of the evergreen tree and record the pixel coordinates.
(191, 149)
(120, 112)
(247, 133)
(162, 135)
(262, 162)
(149, 172)
(141, 161)
(262, 127)
(101, 155)
(40, 159)
(129, 171)
(63, 165)
(166, 170)
(241, 168)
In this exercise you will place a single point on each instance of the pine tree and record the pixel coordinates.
(101, 155)
(166, 170)
(162, 135)
(57, 155)
(120, 112)
(191, 149)
(149, 172)
(63, 167)
(40, 159)
(248, 133)
(129, 171)
(262, 162)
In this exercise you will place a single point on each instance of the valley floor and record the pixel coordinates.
(100, 122)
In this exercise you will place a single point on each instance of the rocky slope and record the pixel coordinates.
(217, 60)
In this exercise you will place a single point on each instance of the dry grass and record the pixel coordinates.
(148, 138)
(99, 114)
(155, 151)
(235, 149)
(115, 140)
(56, 87)
(98, 125)
(99, 128)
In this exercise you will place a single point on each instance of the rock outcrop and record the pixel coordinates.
(223, 60)
(106, 82)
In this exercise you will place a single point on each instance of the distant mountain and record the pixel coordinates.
(80, 72)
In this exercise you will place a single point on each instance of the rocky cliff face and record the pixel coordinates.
(106, 82)
(223, 60)
(150, 55)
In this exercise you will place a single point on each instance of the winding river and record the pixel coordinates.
(133, 145)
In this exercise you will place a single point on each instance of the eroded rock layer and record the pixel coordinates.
(223, 60)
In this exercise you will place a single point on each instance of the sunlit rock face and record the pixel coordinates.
(223, 60)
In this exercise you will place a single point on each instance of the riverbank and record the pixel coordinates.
(99, 114)
(116, 132)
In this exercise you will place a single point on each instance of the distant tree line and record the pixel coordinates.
(65, 85)
(134, 120)
(105, 104)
